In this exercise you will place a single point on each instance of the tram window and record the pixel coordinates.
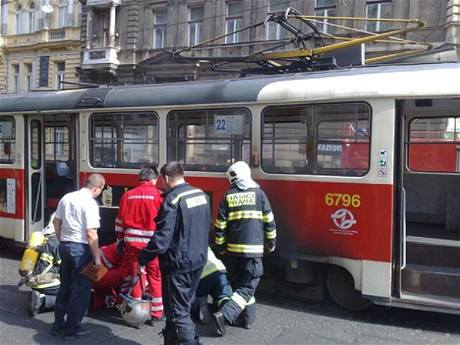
(57, 144)
(35, 152)
(342, 145)
(209, 140)
(434, 144)
(337, 144)
(284, 139)
(7, 139)
(124, 140)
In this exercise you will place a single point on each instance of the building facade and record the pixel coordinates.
(127, 41)
(39, 44)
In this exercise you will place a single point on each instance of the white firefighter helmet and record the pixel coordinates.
(49, 229)
(135, 311)
(238, 171)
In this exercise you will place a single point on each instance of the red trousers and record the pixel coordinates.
(150, 280)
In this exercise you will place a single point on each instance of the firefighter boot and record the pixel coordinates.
(219, 319)
(170, 334)
(247, 316)
(36, 302)
(203, 311)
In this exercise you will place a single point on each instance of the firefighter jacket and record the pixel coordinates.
(135, 222)
(245, 222)
(213, 265)
(183, 225)
(46, 270)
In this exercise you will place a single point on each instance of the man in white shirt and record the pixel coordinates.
(76, 223)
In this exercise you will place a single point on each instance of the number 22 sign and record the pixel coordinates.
(229, 124)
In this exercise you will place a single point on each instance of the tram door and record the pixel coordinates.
(51, 165)
(34, 176)
(430, 202)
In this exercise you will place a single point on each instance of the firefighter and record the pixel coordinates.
(180, 242)
(135, 225)
(214, 283)
(44, 279)
(244, 224)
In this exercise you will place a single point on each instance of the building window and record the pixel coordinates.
(62, 13)
(124, 140)
(29, 77)
(209, 140)
(7, 139)
(31, 19)
(4, 18)
(325, 8)
(323, 139)
(233, 21)
(159, 29)
(378, 9)
(274, 30)
(18, 21)
(195, 24)
(16, 78)
(60, 71)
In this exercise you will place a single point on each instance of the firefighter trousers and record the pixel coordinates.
(178, 293)
(245, 274)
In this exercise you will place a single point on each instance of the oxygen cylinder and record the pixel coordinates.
(30, 256)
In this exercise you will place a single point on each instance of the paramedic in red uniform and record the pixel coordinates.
(135, 225)
(116, 280)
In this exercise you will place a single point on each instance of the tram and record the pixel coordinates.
(361, 166)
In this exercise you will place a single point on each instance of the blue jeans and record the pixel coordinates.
(75, 290)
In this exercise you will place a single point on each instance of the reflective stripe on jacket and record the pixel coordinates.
(181, 239)
(244, 222)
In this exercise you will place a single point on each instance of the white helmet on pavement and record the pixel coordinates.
(135, 311)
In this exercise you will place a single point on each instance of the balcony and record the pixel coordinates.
(100, 58)
(102, 3)
(47, 37)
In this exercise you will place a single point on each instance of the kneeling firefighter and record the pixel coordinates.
(214, 283)
(39, 268)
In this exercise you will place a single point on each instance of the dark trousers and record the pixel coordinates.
(75, 289)
(178, 293)
(245, 274)
(215, 285)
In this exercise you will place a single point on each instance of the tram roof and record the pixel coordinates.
(377, 81)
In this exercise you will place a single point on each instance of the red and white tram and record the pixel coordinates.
(361, 166)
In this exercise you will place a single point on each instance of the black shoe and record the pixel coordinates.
(80, 333)
(220, 323)
(56, 330)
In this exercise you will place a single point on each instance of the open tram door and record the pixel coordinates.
(35, 184)
(50, 165)
(429, 194)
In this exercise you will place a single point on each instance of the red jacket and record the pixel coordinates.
(138, 209)
(109, 256)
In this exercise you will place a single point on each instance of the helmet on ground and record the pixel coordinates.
(135, 311)
(238, 171)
